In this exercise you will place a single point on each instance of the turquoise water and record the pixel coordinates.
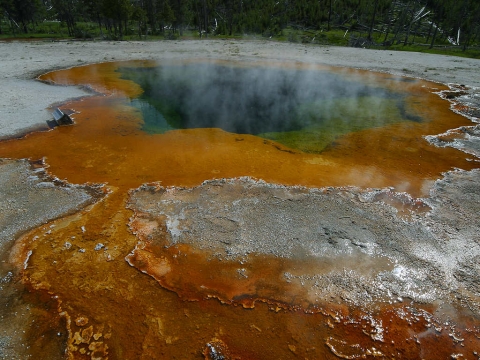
(302, 109)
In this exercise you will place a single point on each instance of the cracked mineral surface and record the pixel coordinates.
(356, 248)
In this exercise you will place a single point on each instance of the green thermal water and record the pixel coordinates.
(302, 109)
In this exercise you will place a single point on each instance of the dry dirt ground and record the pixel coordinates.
(440, 261)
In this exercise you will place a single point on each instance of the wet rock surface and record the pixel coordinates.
(464, 100)
(29, 197)
(465, 138)
(364, 250)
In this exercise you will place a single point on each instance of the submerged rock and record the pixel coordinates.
(216, 350)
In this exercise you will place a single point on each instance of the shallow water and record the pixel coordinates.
(115, 311)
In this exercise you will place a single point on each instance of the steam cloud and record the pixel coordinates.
(261, 100)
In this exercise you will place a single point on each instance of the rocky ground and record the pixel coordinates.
(368, 250)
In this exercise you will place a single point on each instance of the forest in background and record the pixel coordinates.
(362, 23)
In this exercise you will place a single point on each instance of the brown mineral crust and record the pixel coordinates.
(81, 321)
(219, 278)
(47, 331)
(147, 262)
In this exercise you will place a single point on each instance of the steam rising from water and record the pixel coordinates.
(303, 109)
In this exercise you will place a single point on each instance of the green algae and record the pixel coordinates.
(305, 110)
(351, 115)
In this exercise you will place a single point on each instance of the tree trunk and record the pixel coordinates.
(205, 15)
(199, 22)
(372, 23)
(386, 35)
(434, 36)
(409, 27)
(329, 16)
(14, 29)
(466, 42)
(230, 17)
(397, 31)
(99, 21)
(416, 31)
(429, 31)
(389, 26)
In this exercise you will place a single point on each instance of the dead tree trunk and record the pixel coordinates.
(372, 23)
